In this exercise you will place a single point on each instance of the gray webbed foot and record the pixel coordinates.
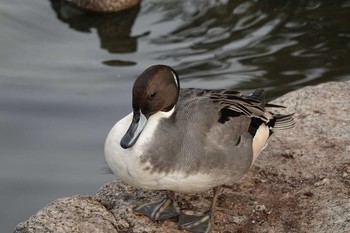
(160, 210)
(200, 222)
(196, 222)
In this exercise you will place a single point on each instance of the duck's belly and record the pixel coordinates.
(131, 171)
(175, 181)
(181, 183)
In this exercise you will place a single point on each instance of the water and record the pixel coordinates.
(66, 75)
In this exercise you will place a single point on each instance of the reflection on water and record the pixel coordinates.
(277, 45)
(66, 75)
(113, 29)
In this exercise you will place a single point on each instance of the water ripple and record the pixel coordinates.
(264, 42)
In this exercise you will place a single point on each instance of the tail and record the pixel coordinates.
(265, 130)
(281, 123)
(261, 130)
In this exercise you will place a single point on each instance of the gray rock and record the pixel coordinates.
(316, 151)
(71, 214)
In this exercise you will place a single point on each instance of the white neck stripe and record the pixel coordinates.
(148, 132)
(168, 114)
(175, 77)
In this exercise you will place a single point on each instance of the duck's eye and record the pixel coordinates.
(152, 95)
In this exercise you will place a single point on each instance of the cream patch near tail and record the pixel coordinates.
(259, 140)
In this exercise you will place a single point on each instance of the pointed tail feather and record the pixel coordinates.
(282, 122)
(274, 106)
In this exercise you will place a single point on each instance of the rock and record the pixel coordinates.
(235, 219)
(283, 179)
(324, 181)
(260, 207)
(71, 214)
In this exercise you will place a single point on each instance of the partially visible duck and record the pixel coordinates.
(188, 140)
(105, 5)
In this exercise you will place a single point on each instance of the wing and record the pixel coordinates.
(229, 104)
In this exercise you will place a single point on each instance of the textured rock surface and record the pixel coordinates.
(71, 214)
(301, 182)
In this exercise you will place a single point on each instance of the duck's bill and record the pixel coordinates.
(137, 125)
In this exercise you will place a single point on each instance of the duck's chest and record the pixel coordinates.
(125, 163)
(130, 164)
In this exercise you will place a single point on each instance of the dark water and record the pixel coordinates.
(66, 75)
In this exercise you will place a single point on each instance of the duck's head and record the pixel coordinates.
(155, 90)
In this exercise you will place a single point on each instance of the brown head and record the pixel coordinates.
(156, 89)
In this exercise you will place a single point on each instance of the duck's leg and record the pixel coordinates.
(163, 209)
(199, 222)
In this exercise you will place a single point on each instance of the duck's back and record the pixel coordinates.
(195, 140)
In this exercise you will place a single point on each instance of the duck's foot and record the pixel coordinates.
(196, 222)
(160, 210)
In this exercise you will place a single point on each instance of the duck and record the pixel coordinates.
(188, 140)
(105, 5)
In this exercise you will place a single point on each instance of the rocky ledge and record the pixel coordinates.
(301, 182)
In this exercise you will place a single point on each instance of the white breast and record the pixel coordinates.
(121, 161)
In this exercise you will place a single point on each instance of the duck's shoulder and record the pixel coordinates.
(222, 96)
(222, 99)
(195, 102)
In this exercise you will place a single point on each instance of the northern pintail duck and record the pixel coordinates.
(188, 140)
(105, 5)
